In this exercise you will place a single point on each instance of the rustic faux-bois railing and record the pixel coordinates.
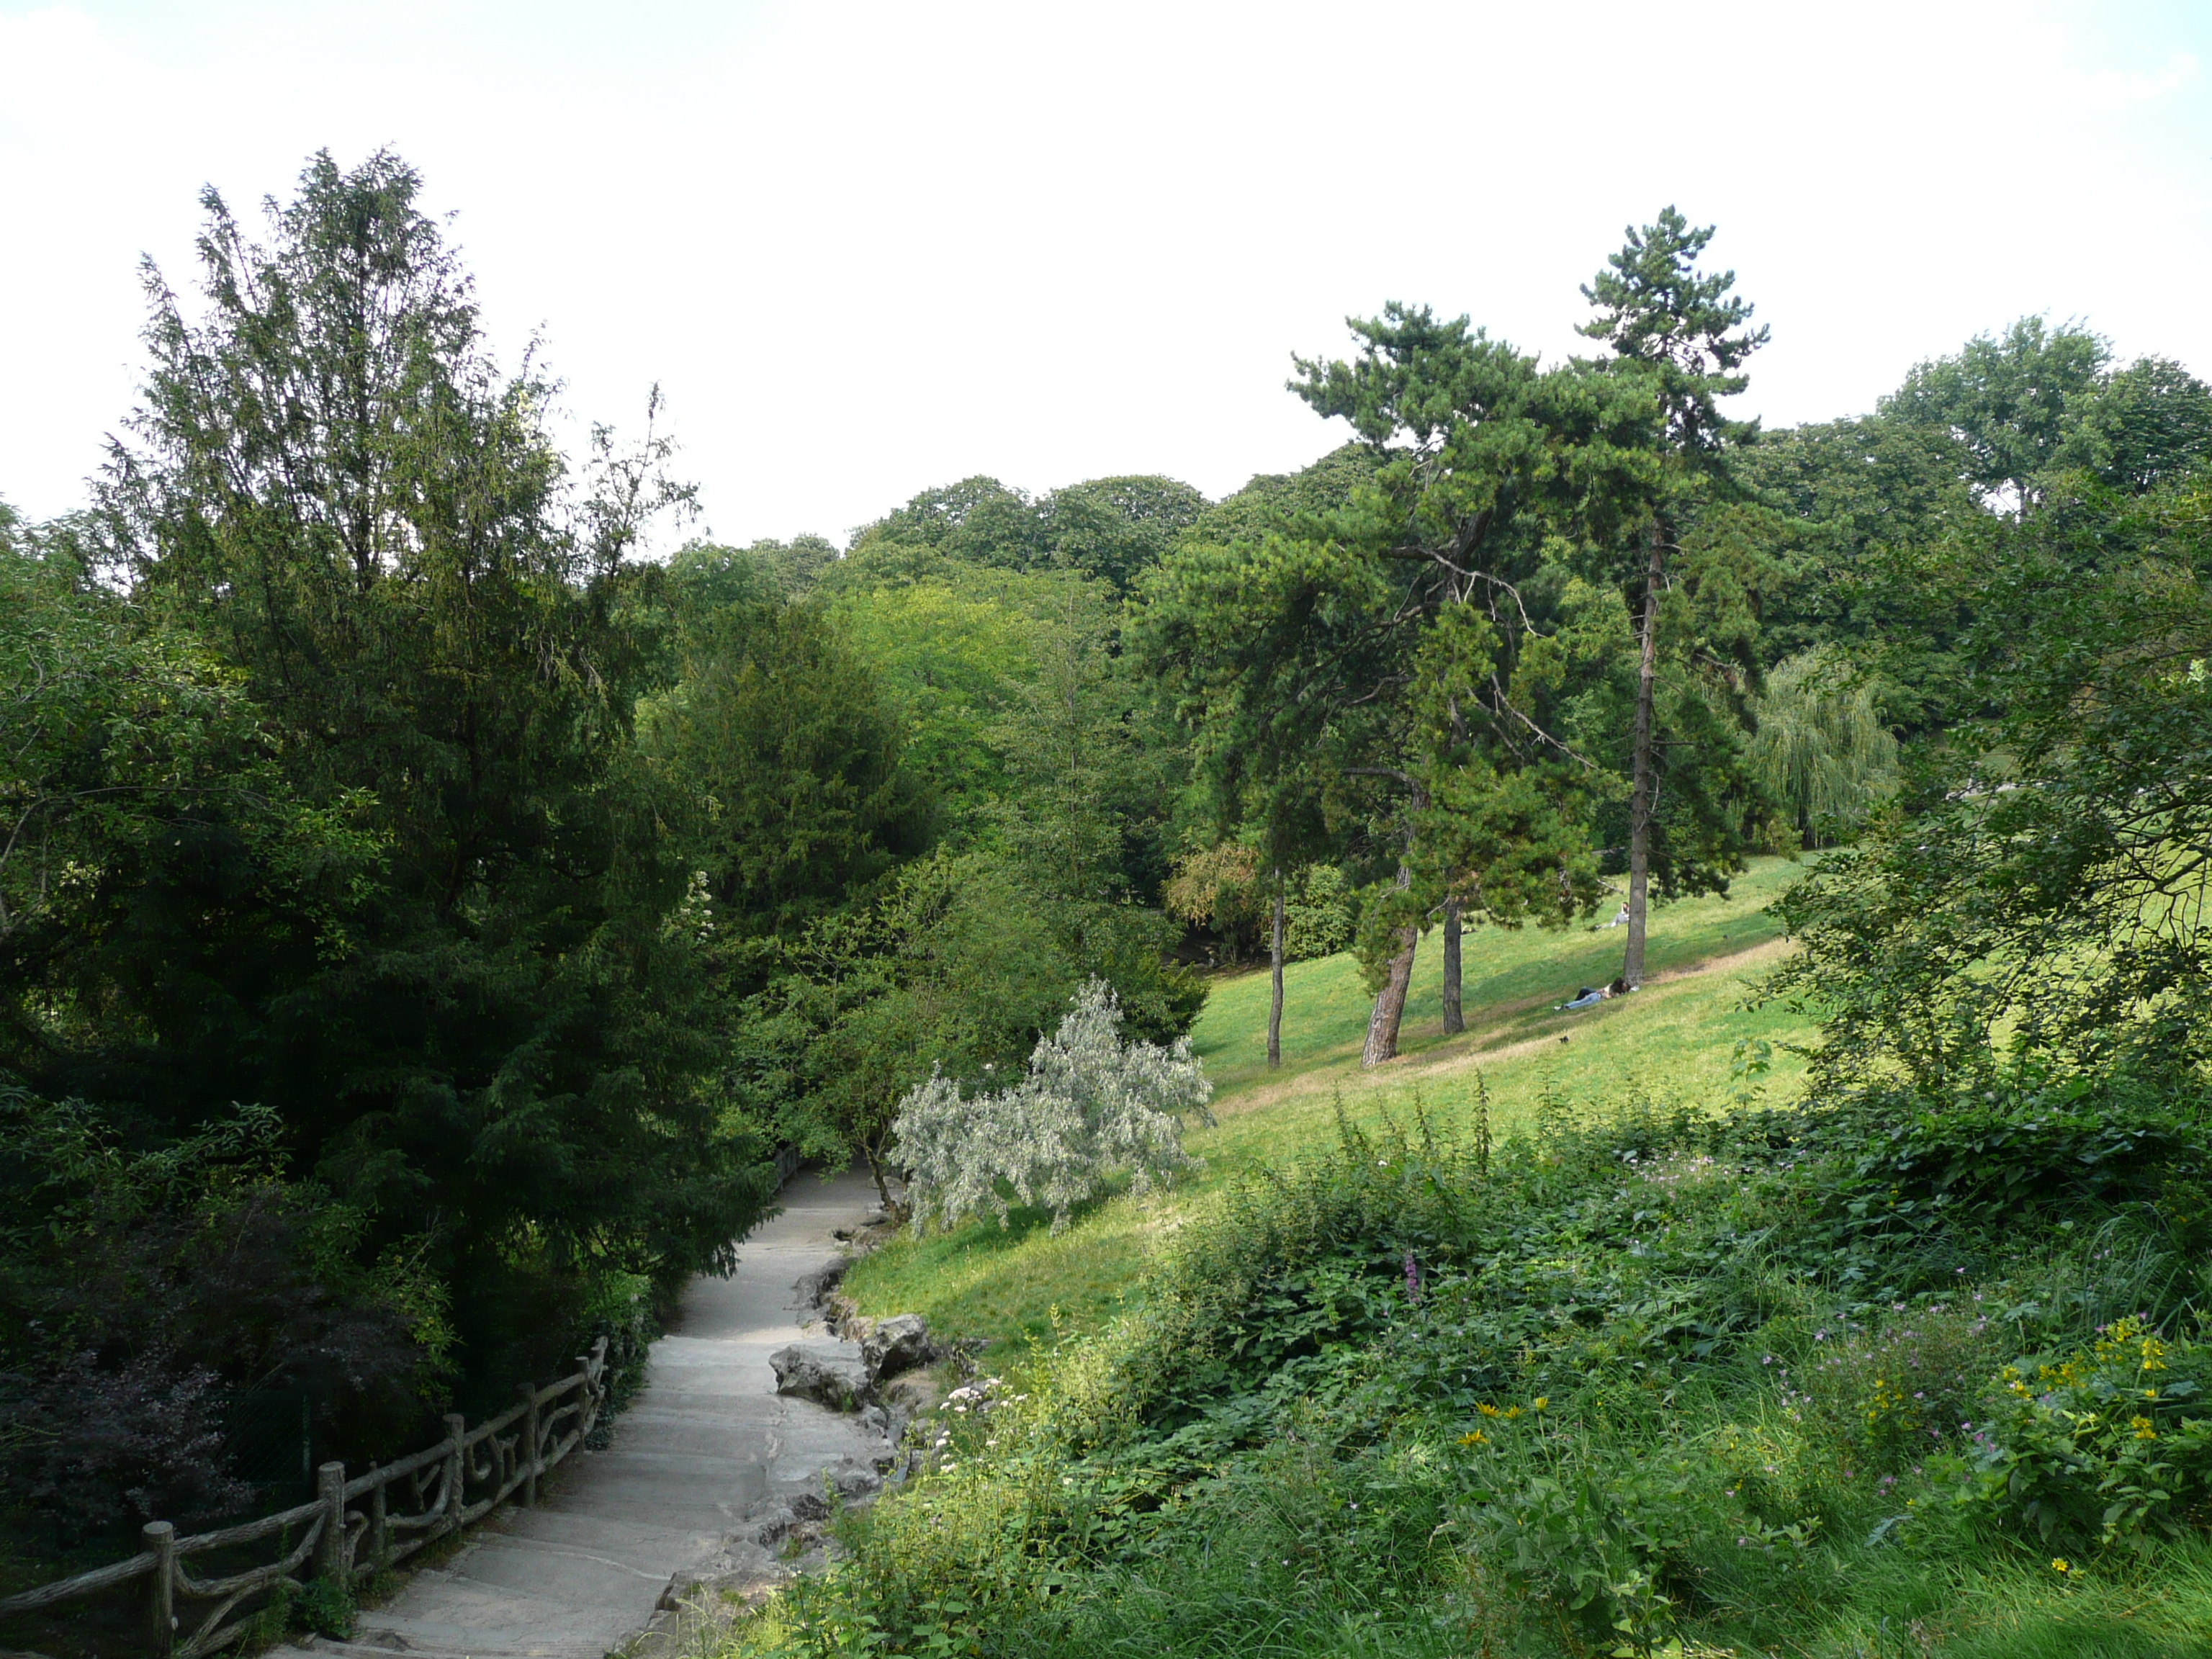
(355, 1528)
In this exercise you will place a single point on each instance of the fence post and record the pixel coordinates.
(331, 1561)
(379, 1528)
(530, 1442)
(594, 1389)
(160, 1540)
(456, 1467)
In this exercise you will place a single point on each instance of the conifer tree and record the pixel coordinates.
(1681, 336)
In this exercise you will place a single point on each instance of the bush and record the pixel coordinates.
(138, 1284)
(1091, 1105)
(1320, 914)
(619, 1306)
(326, 1608)
(2010, 1155)
(2106, 1445)
(1608, 1534)
(100, 1447)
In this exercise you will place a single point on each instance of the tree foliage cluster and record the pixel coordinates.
(1546, 636)
(421, 916)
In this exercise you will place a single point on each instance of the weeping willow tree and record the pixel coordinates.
(1821, 749)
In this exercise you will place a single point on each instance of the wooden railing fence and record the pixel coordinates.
(354, 1528)
(786, 1165)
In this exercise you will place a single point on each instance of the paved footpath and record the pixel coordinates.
(706, 1440)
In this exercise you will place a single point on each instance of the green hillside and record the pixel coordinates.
(1658, 1392)
(1511, 978)
(1673, 1041)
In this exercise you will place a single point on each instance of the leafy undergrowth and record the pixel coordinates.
(1640, 1382)
(1920, 1378)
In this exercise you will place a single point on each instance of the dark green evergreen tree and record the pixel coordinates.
(498, 1043)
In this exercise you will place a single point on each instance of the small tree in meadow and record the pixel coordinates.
(1091, 1103)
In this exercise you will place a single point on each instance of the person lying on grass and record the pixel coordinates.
(1586, 998)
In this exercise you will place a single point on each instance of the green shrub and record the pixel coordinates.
(1601, 1536)
(1320, 914)
(325, 1606)
(2103, 1446)
(619, 1306)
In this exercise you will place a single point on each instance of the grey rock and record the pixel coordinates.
(810, 1506)
(897, 1344)
(853, 1485)
(773, 1524)
(812, 1289)
(825, 1372)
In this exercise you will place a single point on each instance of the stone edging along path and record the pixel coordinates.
(707, 1458)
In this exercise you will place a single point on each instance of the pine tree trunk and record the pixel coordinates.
(1275, 1007)
(1455, 1018)
(1640, 792)
(1390, 1001)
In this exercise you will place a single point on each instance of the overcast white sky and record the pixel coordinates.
(866, 248)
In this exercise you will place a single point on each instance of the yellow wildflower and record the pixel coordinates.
(1473, 1437)
(1542, 1400)
(2142, 1428)
(1487, 1410)
(2059, 1565)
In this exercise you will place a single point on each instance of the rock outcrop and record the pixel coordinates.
(825, 1372)
(896, 1344)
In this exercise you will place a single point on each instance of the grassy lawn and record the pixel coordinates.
(1673, 1041)
(1509, 980)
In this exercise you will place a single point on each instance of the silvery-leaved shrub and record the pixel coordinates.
(1089, 1104)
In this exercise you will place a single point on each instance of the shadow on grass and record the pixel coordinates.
(1023, 1222)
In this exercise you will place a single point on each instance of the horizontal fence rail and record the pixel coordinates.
(355, 1528)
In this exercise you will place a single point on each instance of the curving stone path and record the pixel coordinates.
(708, 1440)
